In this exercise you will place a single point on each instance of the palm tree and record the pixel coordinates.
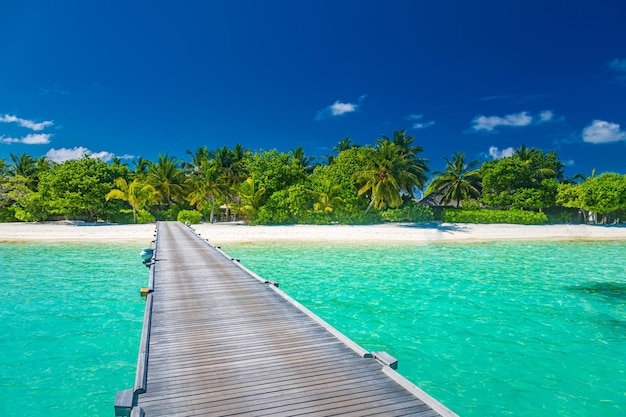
(386, 174)
(301, 159)
(251, 197)
(137, 194)
(415, 165)
(167, 178)
(541, 165)
(25, 166)
(344, 144)
(328, 198)
(459, 181)
(200, 156)
(209, 185)
(3, 167)
(141, 167)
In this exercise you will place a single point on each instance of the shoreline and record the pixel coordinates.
(224, 233)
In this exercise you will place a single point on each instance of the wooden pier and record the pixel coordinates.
(218, 340)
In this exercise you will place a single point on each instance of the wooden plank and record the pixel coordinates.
(220, 341)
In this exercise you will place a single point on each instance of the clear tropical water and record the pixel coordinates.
(489, 329)
(70, 324)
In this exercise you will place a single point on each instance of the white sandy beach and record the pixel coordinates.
(223, 233)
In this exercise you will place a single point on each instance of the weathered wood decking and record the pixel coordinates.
(218, 340)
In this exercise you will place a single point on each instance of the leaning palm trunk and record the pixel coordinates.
(212, 215)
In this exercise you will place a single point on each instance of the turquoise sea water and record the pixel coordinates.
(70, 324)
(489, 329)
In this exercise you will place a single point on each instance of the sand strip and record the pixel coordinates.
(223, 233)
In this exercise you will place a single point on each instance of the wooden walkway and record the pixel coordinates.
(218, 340)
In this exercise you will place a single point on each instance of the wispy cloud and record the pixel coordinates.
(418, 122)
(32, 139)
(496, 153)
(495, 98)
(491, 123)
(55, 89)
(618, 65)
(600, 131)
(339, 108)
(29, 124)
(69, 154)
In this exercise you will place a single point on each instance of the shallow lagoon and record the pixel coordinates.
(70, 322)
(510, 328)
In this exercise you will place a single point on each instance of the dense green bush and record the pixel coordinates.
(409, 213)
(493, 216)
(191, 216)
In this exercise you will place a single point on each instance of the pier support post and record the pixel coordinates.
(123, 403)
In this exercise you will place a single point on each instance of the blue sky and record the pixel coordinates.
(141, 78)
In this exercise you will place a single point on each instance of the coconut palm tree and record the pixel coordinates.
(387, 173)
(328, 197)
(141, 167)
(250, 197)
(166, 177)
(208, 186)
(300, 158)
(458, 182)
(541, 165)
(25, 166)
(415, 165)
(344, 144)
(200, 156)
(136, 193)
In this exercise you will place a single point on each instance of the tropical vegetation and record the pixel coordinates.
(357, 184)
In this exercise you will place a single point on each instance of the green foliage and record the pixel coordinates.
(526, 180)
(7, 214)
(285, 206)
(167, 178)
(171, 213)
(337, 182)
(274, 171)
(390, 170)
(250, 198)
(191, 216)
(78, 188)
(460, 181)
(409, 213)
(135, 193)
(125, 216)
(493, 216)
(605, 194)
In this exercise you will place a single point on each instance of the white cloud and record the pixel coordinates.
(77, 152)
(423, 125)
(546, 116)
(31, 139)
(36, 139)
(569, 163)
(496, 153)
(618, 65)
(29, 124)
(490, 123)
(600, 131)
(339, 108)
(418, 123)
